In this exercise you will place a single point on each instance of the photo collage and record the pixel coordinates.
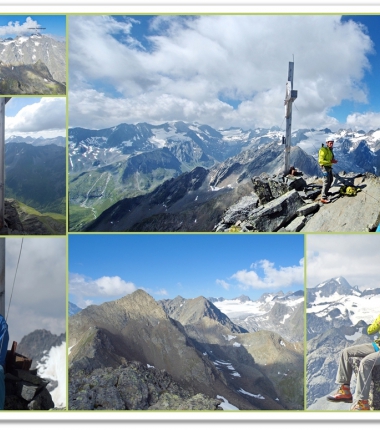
(189, 213)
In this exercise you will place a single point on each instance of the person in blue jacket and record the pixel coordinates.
(4, 339)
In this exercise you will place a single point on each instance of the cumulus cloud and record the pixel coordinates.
(363, 121)
(106, 286)
(187, 68)
(45, 118)
(15, 27)
(355, 257)
(271, 278)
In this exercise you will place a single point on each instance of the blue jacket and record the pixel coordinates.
(4, 339)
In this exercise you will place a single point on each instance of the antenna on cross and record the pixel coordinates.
(290, 96)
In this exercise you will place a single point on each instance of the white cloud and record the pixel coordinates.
(355, 257)
(272, 278)
(223, 284)
(364, 121)
(106, 286)
(17, 28)
(161, 292)
(46, 118)
(197, 61)
(39, 295)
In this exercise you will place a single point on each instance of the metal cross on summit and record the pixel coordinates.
(290, 96)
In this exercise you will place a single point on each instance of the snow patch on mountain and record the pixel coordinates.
(53, 366)
(355, 336)
(226, 405)
(257, 396)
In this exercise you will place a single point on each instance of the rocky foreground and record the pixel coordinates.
(293, 206)
(132, 386)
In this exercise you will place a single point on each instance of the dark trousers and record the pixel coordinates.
(327, 180)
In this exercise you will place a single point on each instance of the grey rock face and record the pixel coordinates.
(26, 391)
(37, 342)
(276, 213)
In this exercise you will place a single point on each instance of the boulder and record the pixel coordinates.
(277, 213)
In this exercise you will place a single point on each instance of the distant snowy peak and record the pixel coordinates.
(330, 288)
(238, 308)
(356, 150)
(38, 141)
(73, 309)
(336, 303)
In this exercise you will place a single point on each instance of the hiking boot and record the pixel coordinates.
(360, 405)
(325, 201)
(342, 395)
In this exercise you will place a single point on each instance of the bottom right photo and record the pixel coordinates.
(343, 322)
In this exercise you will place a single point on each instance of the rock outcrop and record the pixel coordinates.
(132, 386)
(29, 79)
(24, 389)
(298, 209)
(21, 220)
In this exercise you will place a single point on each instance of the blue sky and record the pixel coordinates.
(107, 267)
(35, 117)
(224, 70)
(19, 25)
(354, 256)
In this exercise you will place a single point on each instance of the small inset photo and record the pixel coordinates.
(32, 324)
(343, 322)
(33, 54)
(33, 173)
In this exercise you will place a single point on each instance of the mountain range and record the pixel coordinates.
(33, 64)
(281, 313)
(38, 141)
(182, 177)
(337, 317)
(36, 175)
(190, 341)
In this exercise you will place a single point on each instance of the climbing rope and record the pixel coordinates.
(14, 279)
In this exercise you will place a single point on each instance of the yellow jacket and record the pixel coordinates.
(374, 327)
(325, 156)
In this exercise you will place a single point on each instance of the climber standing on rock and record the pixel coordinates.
(370, 355)
(326, 160)
(4, 339)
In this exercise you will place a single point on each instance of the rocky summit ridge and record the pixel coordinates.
(202, 351)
